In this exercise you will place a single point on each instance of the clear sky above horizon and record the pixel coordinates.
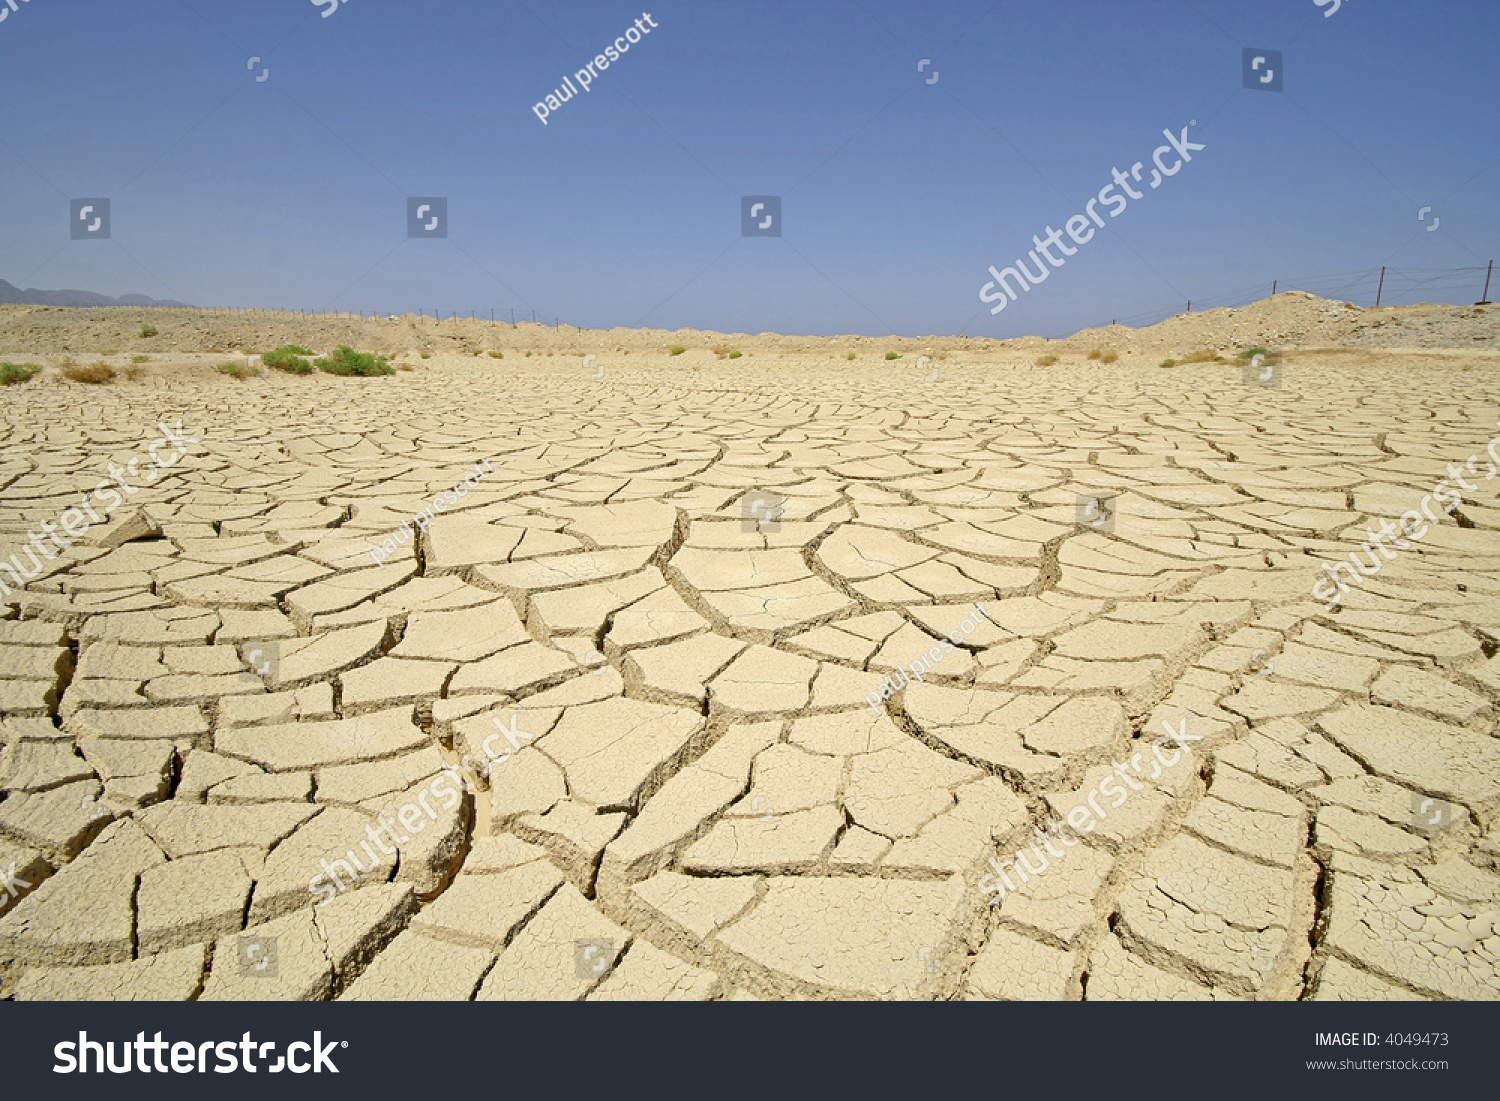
(898, 190)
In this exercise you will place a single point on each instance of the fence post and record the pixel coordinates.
(1381, 288)
(1485, 297)
(1190, 306)
(1273, 287)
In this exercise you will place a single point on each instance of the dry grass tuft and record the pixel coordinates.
(99, 373)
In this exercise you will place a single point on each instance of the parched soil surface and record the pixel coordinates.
(635, 716)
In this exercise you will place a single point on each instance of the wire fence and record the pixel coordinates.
(1372, 286)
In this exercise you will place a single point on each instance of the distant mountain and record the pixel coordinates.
(14, 296)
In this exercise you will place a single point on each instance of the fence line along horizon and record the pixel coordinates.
(1378, 285)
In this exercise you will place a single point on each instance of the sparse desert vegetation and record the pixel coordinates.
(13, 373)
(289, 358)
(346, 361)
(94, 375)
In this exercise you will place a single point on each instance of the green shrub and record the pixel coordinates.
(240, 371)
(148, 331)
(346, 361)
(892, 355)
(1167, 363)
(140, 359)
(288, 358)
(1046, 361)
(735, 355)
(12, 373)
(677, 351)
(851, 355)
(497, 355)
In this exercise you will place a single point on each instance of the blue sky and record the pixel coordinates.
(624, 209)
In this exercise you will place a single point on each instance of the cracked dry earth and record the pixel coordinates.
(705, 798)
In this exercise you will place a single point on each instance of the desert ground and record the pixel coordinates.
(634, 717)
